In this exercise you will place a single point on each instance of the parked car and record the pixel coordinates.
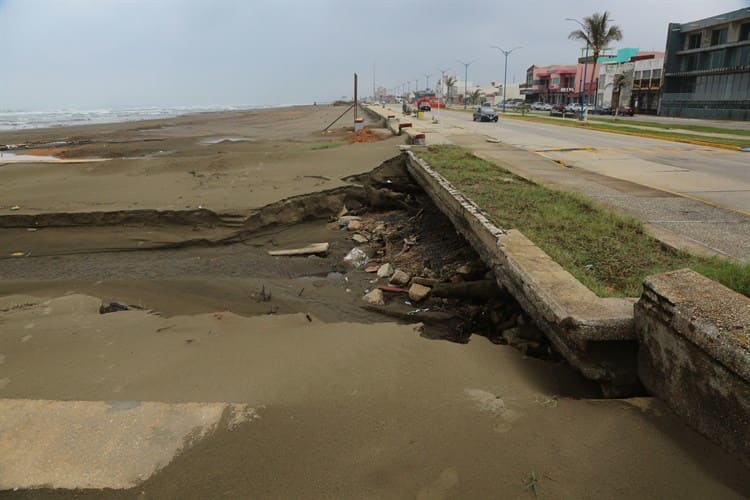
(485, 113)
(560, 110)
(425, 107)
(600, 111)
(625, 111)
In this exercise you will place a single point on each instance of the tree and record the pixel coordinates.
(598, 34)
(450, 83)
(475, 96)
(617, 84)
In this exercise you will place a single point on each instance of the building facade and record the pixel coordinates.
(554, 84)
(640, 76)
(560, 84)
(707, 68)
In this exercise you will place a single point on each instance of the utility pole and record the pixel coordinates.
(585, 63)
(427, 81)
(505, 75)
(440, 95)
(466, 78)
(355, 97)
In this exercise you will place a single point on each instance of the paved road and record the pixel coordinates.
(713, 175)
(691, 197)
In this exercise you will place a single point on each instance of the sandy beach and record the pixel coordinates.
(175, 218)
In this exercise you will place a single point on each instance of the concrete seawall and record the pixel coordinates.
(687, 339)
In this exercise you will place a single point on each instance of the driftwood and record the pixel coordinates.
(427, 317)
(315, 248)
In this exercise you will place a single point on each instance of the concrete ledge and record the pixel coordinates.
(594, 334)
(695, 354)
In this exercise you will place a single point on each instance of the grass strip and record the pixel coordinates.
(625, 130)
(609, 253)
(668, 126)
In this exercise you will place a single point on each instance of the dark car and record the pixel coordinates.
(625, 111)
(424, 107)
(560, 110)
(485, 113)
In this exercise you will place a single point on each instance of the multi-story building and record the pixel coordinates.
(560, 84)
(707, 68)
(640, 75)
(554, 84)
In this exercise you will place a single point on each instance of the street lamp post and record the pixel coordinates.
(585, 64)
(506, 53)
(440, 94)
(466, 79)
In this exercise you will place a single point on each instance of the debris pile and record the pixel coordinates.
(421, 270)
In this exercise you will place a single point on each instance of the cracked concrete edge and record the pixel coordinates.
(102, 444)
(570, 320)
(585, 315)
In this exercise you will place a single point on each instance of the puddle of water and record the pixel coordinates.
(6, 157)
(219, 140)
(12, 157)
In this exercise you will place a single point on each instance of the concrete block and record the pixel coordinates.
(695, 354)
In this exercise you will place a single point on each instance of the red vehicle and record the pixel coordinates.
(428, 103)
(625, 111)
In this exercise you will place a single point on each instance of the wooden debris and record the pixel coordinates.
(315, 248)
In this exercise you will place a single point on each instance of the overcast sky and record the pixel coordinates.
(91, 54)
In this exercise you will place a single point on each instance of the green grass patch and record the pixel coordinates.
(609, 253)
(325, 145)
(667, 126)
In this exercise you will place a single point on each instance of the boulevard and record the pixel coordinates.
(698, 192)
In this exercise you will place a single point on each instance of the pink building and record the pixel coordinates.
(559, 84)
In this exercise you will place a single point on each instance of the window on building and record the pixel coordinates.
(744, 56)
(694, 41)
(555, 81)
(744, 32)
(717, 59)
(656, 74)
(689, 63)
(687, 85)
(719, 37)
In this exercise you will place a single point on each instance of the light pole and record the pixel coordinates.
(466, 78)
(427, 81)
(585, 62)
(440, 95)
(506, 53)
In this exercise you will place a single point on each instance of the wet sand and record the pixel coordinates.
(350, 405)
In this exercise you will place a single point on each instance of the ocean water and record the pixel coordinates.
(19, 120)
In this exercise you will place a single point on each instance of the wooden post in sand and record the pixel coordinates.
(355, 97)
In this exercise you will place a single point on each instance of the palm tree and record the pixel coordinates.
(598, 34)
(475, 96)
(617, 84)
(450, 83)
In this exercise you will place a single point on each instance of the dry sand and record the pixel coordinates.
(349, 407)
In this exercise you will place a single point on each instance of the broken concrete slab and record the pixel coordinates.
(418, 292)
(375, 297)
(400, 278)
(101, 444)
